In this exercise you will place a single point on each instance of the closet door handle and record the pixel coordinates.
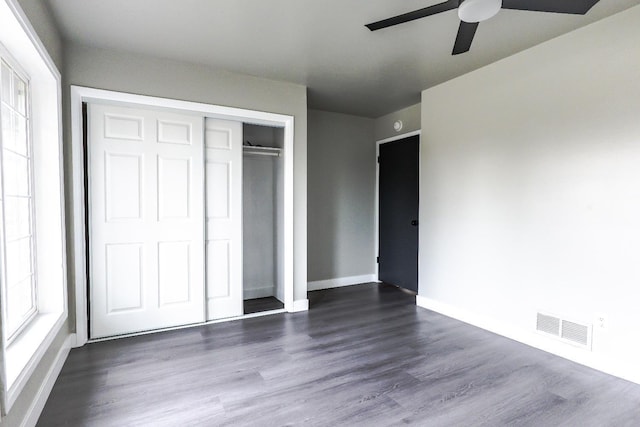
(414, 222)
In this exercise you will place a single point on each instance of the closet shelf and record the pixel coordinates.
(261, 151)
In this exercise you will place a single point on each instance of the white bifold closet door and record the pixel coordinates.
(146, 201)
(223, 154)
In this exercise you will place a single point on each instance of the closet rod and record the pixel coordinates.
(261, 151)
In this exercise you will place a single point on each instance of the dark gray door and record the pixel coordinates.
(398, 213)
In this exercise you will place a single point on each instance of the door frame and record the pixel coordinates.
(376, 215)
(80, 95)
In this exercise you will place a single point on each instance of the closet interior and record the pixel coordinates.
(263, 218)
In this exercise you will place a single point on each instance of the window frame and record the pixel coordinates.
(49, 332)
(16, 68)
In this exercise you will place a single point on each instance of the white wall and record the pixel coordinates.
(119, 71)
(342, 173)
(530, 191)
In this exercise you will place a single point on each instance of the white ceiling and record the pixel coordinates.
(322, 44)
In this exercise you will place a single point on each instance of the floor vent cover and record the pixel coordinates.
(565, 330)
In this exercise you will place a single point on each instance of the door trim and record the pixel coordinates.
(376, 214)
(79, 95)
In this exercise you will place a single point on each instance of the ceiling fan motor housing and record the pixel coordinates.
(478, 10)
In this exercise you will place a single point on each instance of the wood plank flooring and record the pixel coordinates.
(362, 356)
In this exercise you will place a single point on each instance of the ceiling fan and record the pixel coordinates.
(472, 12)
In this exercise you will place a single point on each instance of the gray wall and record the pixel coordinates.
(410, 116)
(42, 21)
(105, 69)
(342, 176)
(532, 199)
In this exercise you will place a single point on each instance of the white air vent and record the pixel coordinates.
(548, 324)
(565, 330)
(575, 332)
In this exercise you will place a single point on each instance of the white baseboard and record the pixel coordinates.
(534, 339)
(300, 305)
(340, 282)
(266, 291)
(40, 399)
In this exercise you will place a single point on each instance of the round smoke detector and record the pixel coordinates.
(397, 125)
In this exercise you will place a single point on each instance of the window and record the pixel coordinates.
(33, 311)
(16, 194)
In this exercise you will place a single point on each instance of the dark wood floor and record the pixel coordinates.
(258, 305)
(362, 356)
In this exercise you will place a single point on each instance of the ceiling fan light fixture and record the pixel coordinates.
(478, 10)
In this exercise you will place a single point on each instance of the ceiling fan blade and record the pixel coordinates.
(576, 7)
(416, 14)
(466, 31)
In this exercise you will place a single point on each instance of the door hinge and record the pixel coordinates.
(378, 259)
(378, 159)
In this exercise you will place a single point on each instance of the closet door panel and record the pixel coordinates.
(146, 201)
(174, 188)
(223, 157)
(124, 277)
(174, 264)
(218, 191)
(123, 180)
(219, 261)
